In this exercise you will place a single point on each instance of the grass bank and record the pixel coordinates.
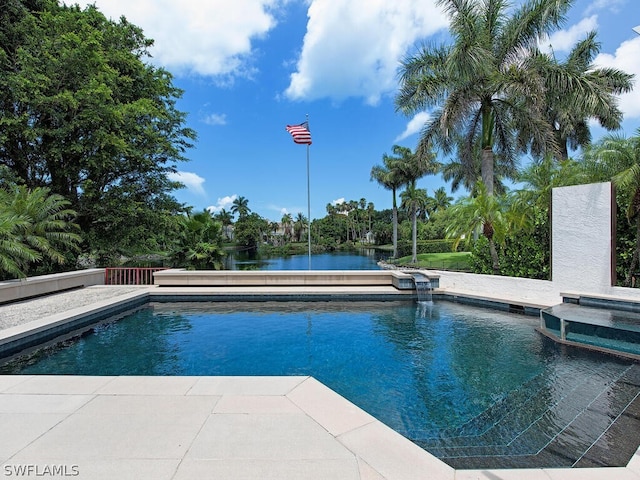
(439, 261)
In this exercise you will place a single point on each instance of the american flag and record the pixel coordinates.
(300, 133)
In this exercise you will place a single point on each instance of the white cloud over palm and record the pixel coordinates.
(351, 48)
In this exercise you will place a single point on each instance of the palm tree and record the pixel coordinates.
(299, 225)
(13, 251)
(441, 201)
(43, 223)
(541, 176)
(618, 159)
(484, 85)
(412, 167)
(273, 228)
(576, 92)
(226, 219)
(240, 206)
(481, 212)
(414, 200)
(390, 177)
(370, 211)
(465, 172)
(200, 242)
(287, 223)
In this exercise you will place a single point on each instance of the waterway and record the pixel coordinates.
(363, 259)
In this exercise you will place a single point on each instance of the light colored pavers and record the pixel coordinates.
(388, 452)
(62, 385)
(252, 469)
(245, 385)
(21, 429)
(334, 412)
(170, 427)
(136, 385)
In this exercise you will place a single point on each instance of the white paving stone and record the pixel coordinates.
(7, 382)
(137, 385)
(22, 403)
(256, 404)
(334, 412)
(148, 404)
(21, 429)
(392, 455)
(158, 434)
(245, 385)
(288, 437)
(269, 469)
(98, 469)
(59, 384)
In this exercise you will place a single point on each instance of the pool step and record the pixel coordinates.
(533, 400)
(571, 432)
(605, 329)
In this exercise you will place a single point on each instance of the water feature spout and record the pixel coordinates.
(423, 288)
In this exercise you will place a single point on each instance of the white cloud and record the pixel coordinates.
(191, 181)
(611, 5)
(565, 40)
(205, 38)
(625, 58)
(215, 119)
(414, 126)
(353, 47)
(224, 202)
(338, 201)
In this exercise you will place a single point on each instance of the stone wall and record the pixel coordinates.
(13, 290)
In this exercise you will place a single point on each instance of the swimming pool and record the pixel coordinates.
(476, 387)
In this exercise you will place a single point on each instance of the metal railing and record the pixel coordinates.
(130, 275)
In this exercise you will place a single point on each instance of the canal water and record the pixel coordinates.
(363, 259)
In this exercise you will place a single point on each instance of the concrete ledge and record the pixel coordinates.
(13, 290)
(18, 339)
(275, 278)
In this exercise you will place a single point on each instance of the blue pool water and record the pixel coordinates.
(462, 382)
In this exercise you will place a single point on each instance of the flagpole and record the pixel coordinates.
(308, 204)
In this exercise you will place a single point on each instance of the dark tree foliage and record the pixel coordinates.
(625, 244)
(82, 113)
(250, 231)
(523, 254)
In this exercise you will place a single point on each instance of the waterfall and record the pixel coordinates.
(423, 288)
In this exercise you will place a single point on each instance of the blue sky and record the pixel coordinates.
(250, 67)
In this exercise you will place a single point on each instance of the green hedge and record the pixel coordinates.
(425, 246)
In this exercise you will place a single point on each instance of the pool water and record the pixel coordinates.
(473, 386)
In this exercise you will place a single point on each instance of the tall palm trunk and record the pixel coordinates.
(488, 125)
(487, 231)
(395, 225)
(414, 235)
(495, 262)
(486, 171)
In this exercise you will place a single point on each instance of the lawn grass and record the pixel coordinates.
(440, 261)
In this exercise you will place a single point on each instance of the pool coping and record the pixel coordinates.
(378, 451)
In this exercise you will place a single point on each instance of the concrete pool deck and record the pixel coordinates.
(204, 427)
